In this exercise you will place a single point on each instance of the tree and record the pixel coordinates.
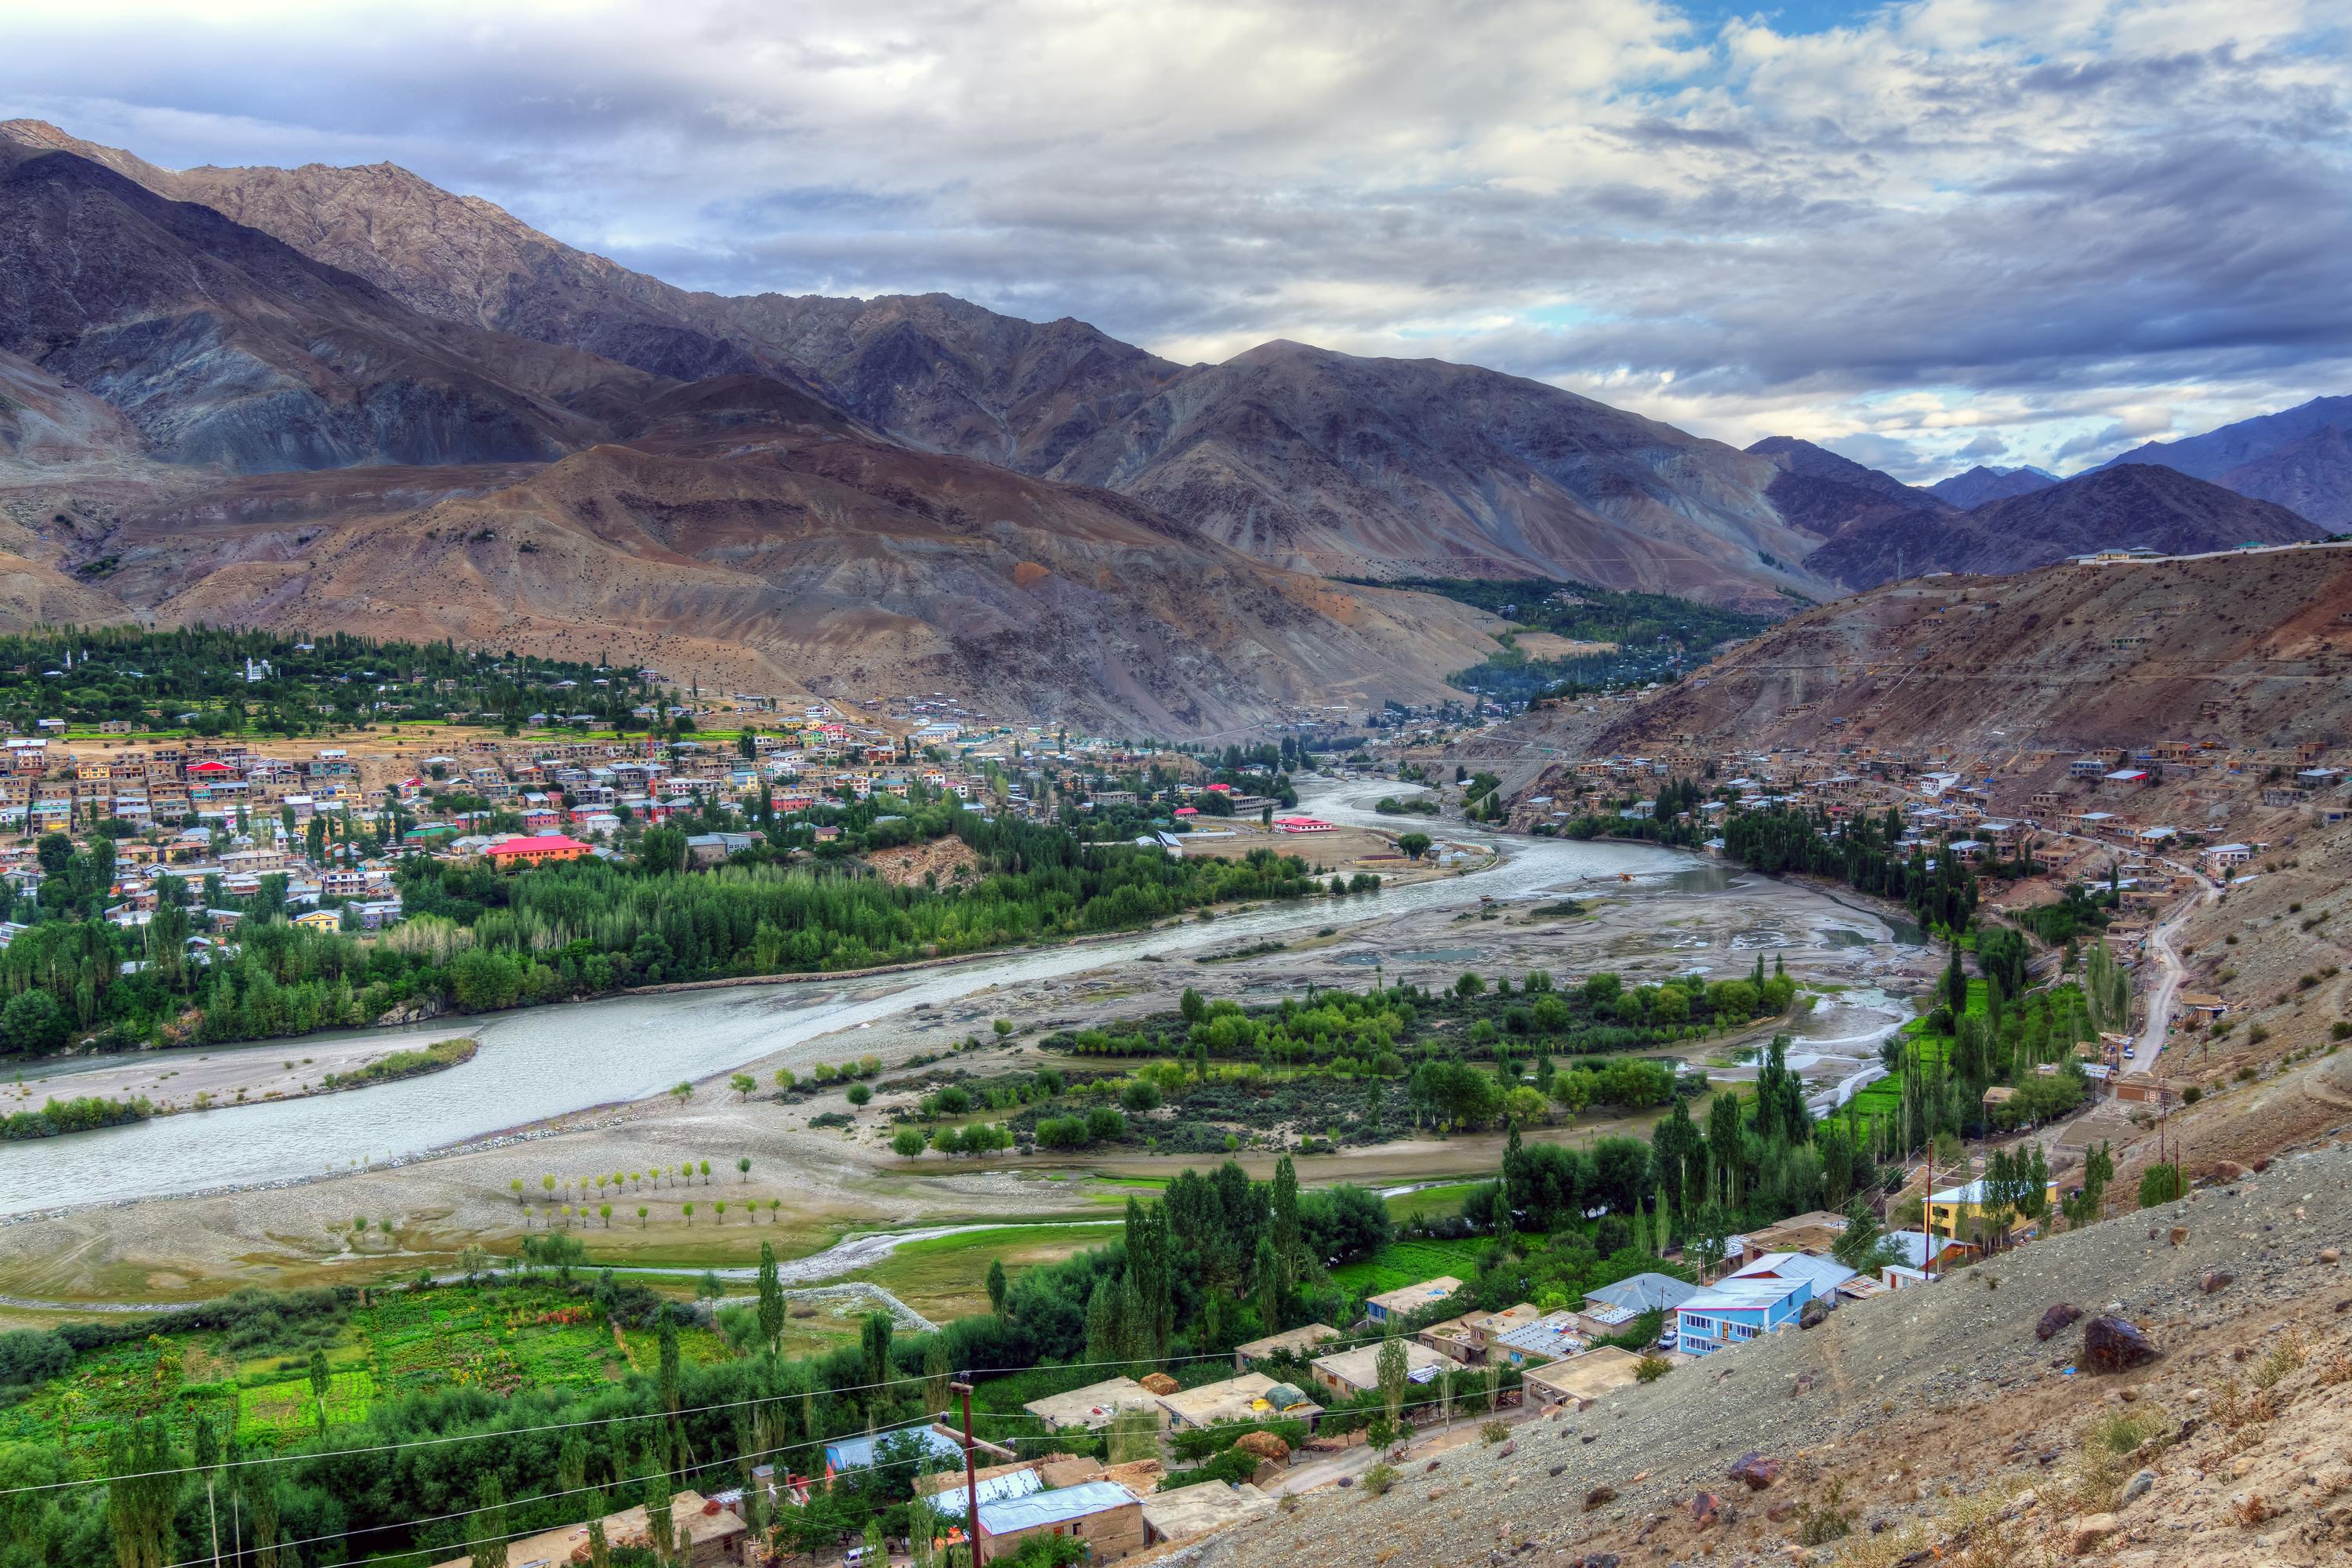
(772, 1300)
(743, 1166)
(320, 1381)
(486, 1532)
(996, 1287)
(1391, 1370)
(907, 1142)
(873, 1339)
(1864, 1247)
(1414, 845)
(2160, 1185)
(140, 1505)
(743, 1083)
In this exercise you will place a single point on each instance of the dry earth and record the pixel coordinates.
(1938, 1420)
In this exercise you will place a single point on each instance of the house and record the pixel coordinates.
(1733, 1311)
(1189, 1512)
(1454, 1339)
(537, 850)
(844, 1454)
(1300, 1341)
(1300, 825)
(1251, 1397)
(1760, 1298)
(1349, 1373)
(1489, 1327)
(1958, 1211)
(1816, 1232)
(1553, 1337)
(1580, 1379)
(708, 1534)
(1408, 1299)
(1911, 1251)
(1103, 1515)
(1091, 1408)
(1630, 1298)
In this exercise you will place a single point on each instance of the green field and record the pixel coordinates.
(1884, 1098)
(500, 1337)
(945, 1276)
(1446, 1200)
(1404, 1263)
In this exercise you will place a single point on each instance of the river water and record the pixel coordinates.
(546, 1061)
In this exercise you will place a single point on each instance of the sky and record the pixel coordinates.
(1925, 235)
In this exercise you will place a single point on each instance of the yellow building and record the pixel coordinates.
(1961, 1212)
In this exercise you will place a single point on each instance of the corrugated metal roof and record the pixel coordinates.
(994, 1490)
(1057, 1507)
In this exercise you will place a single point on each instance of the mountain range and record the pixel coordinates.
(268, 395)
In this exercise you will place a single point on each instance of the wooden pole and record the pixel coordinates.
(971, 1476)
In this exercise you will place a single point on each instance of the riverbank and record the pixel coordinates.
(219, 1078)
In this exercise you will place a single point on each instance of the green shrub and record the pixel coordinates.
(1379, 1478)
(1651, 1368)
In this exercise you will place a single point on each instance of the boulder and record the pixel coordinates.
(2057, 1319)
(1814, 1314)
(1756, 1472)
(2092, 1531)
(1600, 1497)
(2215, 1280)
(2113, 1344)
(1706, 1509)
(2138, 1487)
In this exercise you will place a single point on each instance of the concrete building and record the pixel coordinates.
(1405, 1300)
(709, 1533)
(1251, 1397)
(1302, 1341)
(1189, 1512)
(1349, 1373)
(1091, 1408)
(1582, 1379)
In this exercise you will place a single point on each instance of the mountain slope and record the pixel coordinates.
(1316, 461)
(1395, 468)
(2247, 646)
(1980, 484)
(224, 346)
(2296, 457)
(1822, 493)
(779, 549)
(2137, 504)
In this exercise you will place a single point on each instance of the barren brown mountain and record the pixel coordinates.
(2251, 647)
(1314, 460)
(751, 537)
(1416, 468)
(1825, 494)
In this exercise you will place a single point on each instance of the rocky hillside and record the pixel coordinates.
(1824, 493)
(223, 346)
(2137, 504)
(1406, 467)
(1969, 1423)
(739, 544)
(2251, 647)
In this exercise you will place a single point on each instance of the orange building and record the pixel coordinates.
(535, 851)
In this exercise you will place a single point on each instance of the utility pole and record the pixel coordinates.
(962, 1385)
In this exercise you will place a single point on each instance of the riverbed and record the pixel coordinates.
(544, 1062)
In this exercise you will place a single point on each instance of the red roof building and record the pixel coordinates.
(536, 850)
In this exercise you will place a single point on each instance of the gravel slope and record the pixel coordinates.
(1921, 1406)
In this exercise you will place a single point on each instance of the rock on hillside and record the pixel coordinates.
(832, 564)
(2065, 656)
(1938, 1427)
(2107, 507)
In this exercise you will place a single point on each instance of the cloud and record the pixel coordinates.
(1937, 223)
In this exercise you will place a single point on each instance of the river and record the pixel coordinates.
(542, 1062)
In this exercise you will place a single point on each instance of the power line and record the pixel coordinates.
(615, 1420)
(676, 1474)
